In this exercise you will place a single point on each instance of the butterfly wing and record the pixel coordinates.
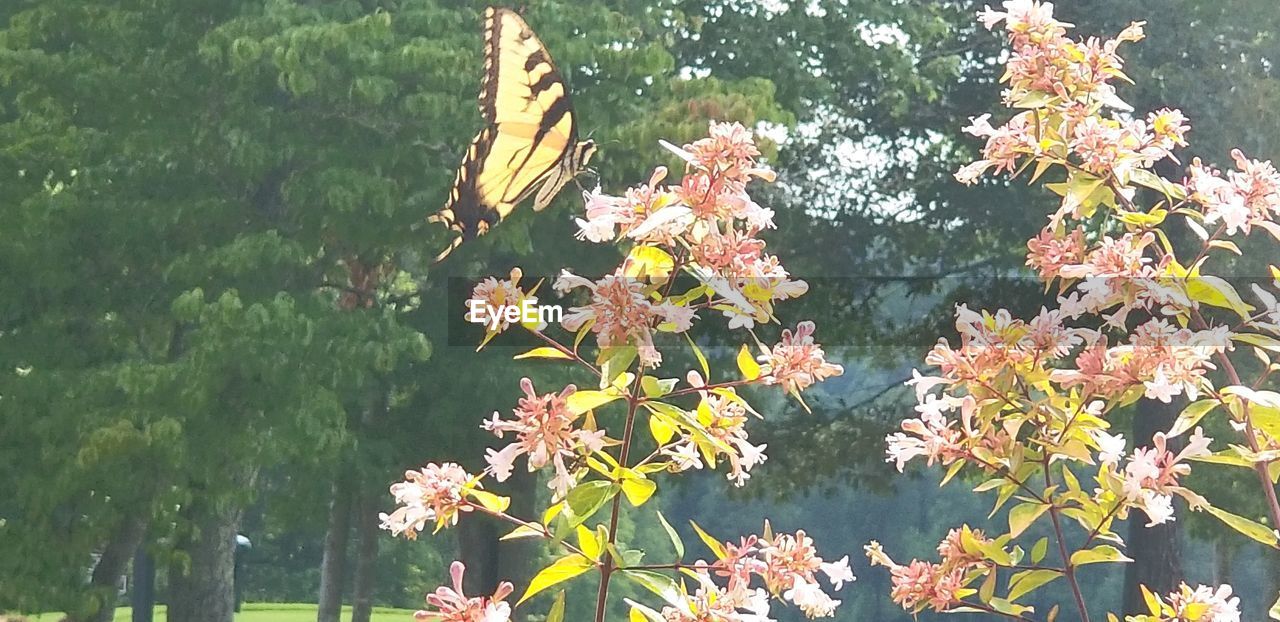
(530, 137)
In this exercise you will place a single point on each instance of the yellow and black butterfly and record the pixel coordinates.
(530, 141)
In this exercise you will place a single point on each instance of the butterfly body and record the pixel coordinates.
(530, 142)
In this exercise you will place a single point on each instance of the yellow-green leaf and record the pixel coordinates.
(648, 262)
(556, 614)
(1248, 527)
(747, 364)
(545, 352)
(661, 430)
(638, 489)
(1025, 582)
(1191, 415)
(702, 360)
(491, 502)
(1098, 554)
(1022, 515)
(713, 544)
(676, 542)
(588, 543)
(1217, 292)
(582, 401)
(558, 572)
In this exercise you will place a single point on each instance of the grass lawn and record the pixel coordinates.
(261, 612)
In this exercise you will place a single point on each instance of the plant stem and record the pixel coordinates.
(1068, 570)
(606, 570)
(523, 523)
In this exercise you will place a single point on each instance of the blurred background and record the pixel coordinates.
(217, 316)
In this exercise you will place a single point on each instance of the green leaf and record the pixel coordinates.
(747, 364)
(613, 361)
(653, 387)
(545, 352)
(1022, 515)
(1191, 415)
(702, 360)
(558, 572)
(1250, 528)
(1098, 554)
(587, 498)
(661, 585)
(1027, 581)
(556, 614)
(1274, 612)
(676, 542)
(1039, 550)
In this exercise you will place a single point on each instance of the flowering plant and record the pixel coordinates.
(1023, 404)
(704, 227)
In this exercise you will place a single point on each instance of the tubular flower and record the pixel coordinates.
(451, 605)
(545, 432)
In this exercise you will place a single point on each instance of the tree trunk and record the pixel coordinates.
(367, 533)
(1223, 554)
(1157, 559)
(515, 556)
(203, 588)
(112, 564)
(333, 567)
(478, 549)
(142, 592)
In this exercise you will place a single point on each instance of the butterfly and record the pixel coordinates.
(530, 140)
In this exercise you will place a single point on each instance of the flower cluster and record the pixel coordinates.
(920, 584)
(1242, 199)
(724, 417)
(1201, 604)
(451, 605)
(1025, 403)
(621, 313)
(797, 362)
(699, 233)
(709, 213)
(787, 564)
(432, 493)
(545, 432)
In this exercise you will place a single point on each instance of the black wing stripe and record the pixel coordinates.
(489, 82)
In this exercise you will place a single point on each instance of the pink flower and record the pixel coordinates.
(728, 151)
(797, 362)
(621, 313)
(789, 565)
(545, 432)
(1048, 252)
(432, 493)
(1243, 199)
(451, 605)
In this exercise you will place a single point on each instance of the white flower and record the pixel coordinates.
(1110, 448)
